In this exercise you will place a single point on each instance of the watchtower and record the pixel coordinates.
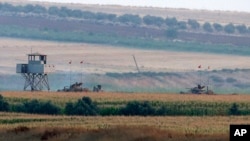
(35, 72)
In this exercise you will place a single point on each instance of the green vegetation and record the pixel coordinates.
(38, 107)
(194, 24)
(242, 29)
(130, 19)
(143, 108)
(171, 22)
(229, 28)
(85, 106)
(127, 19)
(207, 27)
(234, 109)
(4, 106)
(135, 42)
(218, 27)
(171, 32)
(153, 20)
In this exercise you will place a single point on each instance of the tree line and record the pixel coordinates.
(127, 19)
(86, 107)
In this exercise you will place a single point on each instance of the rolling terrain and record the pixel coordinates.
(114, 67)
(167, 66)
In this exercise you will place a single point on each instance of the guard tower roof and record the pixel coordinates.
(36, 54)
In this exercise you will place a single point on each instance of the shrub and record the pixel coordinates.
(217, 79)
(162, 111)
(231, 80)
(171, 33)
(107, 111)
(4, 106)
(234, 109)
(35, 106)
(138, 108)
(83, 106)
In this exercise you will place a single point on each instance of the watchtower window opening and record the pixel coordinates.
(37, 58)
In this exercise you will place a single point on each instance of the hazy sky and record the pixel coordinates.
(229, 5)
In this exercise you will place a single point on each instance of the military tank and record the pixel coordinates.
(77, 87)
(199, 89)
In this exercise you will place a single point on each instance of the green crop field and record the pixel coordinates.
(63, 127)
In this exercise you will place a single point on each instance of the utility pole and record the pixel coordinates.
(81, 70)
(70, 72)
(136, 64)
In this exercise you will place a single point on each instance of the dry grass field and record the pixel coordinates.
(19, 126)
(35, 127)
(102, 58)
(63, 97)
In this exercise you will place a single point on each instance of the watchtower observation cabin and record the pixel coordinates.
(35, 72)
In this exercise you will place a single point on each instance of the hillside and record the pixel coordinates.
(182, 14)
(168, 51)
(114, 68)
(103, 25)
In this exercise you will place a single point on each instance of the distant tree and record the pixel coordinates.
(171, 22)
(218, 27)
(101, 16)
(39, 9)
(28, 8)
(76, 13)
(194, 24)
(171, 32)
(182, 25)
(111, 17)
(130, 19)
(88, 15)
(153, 20)
(207, 27)
(229, 28)
(7, 7)
(65, 12)
(53, 10)
(242, 29)
(104, 16)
